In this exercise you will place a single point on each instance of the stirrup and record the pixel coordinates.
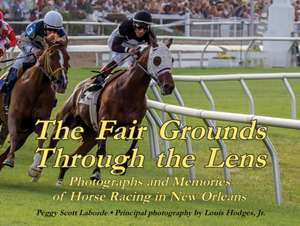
(5, 109)
(94, 87)
(97, 83)
(100, 78)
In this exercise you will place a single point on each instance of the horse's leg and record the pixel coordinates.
(83, 149)
(34, 171)
(101, 151)
(3, 133)
(3, 157)
(3, 122)
(17, 140)
(129, 153)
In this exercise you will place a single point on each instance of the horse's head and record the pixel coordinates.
(160, 65)
(56, 62)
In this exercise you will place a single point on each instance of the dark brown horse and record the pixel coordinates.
(33, 96)
(123, 99)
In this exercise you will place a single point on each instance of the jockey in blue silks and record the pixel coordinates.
(31, 44)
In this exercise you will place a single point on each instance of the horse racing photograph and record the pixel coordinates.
(155, 112)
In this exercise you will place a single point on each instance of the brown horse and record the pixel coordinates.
(33, 96)
(3, 123)
(123, 99)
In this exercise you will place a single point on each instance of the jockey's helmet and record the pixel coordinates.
(53, 20)
(142, 19)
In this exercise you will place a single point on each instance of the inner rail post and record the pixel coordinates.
(292, 98)
(249, 95)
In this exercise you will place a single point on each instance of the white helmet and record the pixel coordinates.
(53, 20)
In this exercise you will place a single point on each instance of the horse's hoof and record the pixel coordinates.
(9, 162)
(35, 179)
(95, 176)
(234, 170)
(35, 173)
(59, 182)
(120, 172)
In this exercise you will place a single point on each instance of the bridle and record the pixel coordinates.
(46, 66)
(151, 74)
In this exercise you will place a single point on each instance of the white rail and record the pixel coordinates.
(210, 45)
(242, 78)
(194, 38)
(230, 77)
(209, 117)
(225, 116)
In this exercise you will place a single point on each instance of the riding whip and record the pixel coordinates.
(16, 58)
(129, 55)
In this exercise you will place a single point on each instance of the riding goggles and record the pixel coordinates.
(141, 26)
(52, 29)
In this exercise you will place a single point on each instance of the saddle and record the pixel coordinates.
(90, 98)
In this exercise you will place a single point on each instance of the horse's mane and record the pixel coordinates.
(144, 53)
(55, 39)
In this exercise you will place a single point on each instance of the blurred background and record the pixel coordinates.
(226, 32)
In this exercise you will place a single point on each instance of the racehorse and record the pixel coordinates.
(123, 99)
(3, 123)
(33, 96)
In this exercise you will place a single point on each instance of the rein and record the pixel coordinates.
(46, 67)
(149, 71)
(146, 72)
(142, 67)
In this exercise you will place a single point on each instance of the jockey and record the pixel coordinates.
(7, 36)
(31, 44)
(124, 41)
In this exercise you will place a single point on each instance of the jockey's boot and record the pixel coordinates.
(2, 86)
(100, 78)
(11, 79)
(6, 100)
(8, 86)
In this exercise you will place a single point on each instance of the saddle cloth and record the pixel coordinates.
(91, 99)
